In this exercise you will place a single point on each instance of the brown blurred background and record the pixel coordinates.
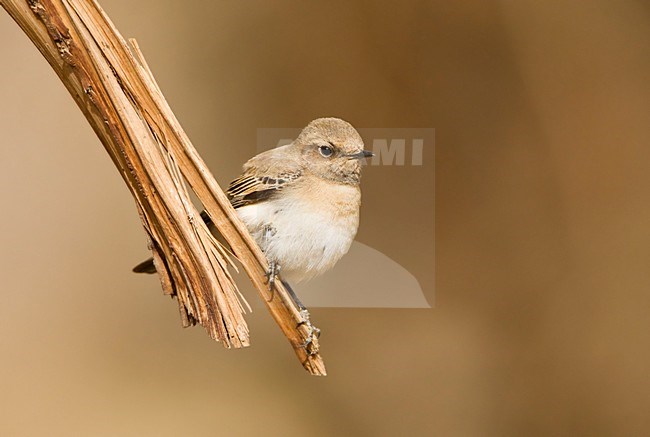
(540, 324)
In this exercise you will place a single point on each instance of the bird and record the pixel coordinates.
(301, 201)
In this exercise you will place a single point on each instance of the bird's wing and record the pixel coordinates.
(250, 188)
(264, 176)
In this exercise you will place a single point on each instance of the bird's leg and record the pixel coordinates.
(296, 301)
(312, 331)
(274, 267)
(272, 275)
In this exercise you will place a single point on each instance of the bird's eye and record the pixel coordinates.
(326, 151)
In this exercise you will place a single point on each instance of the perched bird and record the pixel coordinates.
(300, 202)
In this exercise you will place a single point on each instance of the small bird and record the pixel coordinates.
(300, 202)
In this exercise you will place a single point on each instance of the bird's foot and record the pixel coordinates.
(312, 333)
(272, 274)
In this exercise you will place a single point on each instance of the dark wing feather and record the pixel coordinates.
(248, 189)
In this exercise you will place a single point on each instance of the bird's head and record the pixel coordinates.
(332, 149)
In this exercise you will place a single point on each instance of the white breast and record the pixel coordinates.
(309, 234)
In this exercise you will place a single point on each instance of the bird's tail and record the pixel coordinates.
(145, 267)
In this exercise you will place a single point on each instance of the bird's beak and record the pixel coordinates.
(361, 155)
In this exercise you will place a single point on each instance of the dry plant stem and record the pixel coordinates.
(117, 93)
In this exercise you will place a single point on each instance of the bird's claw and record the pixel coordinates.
(312, 333)
(272, 274)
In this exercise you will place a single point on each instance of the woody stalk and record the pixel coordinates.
(115, 89)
